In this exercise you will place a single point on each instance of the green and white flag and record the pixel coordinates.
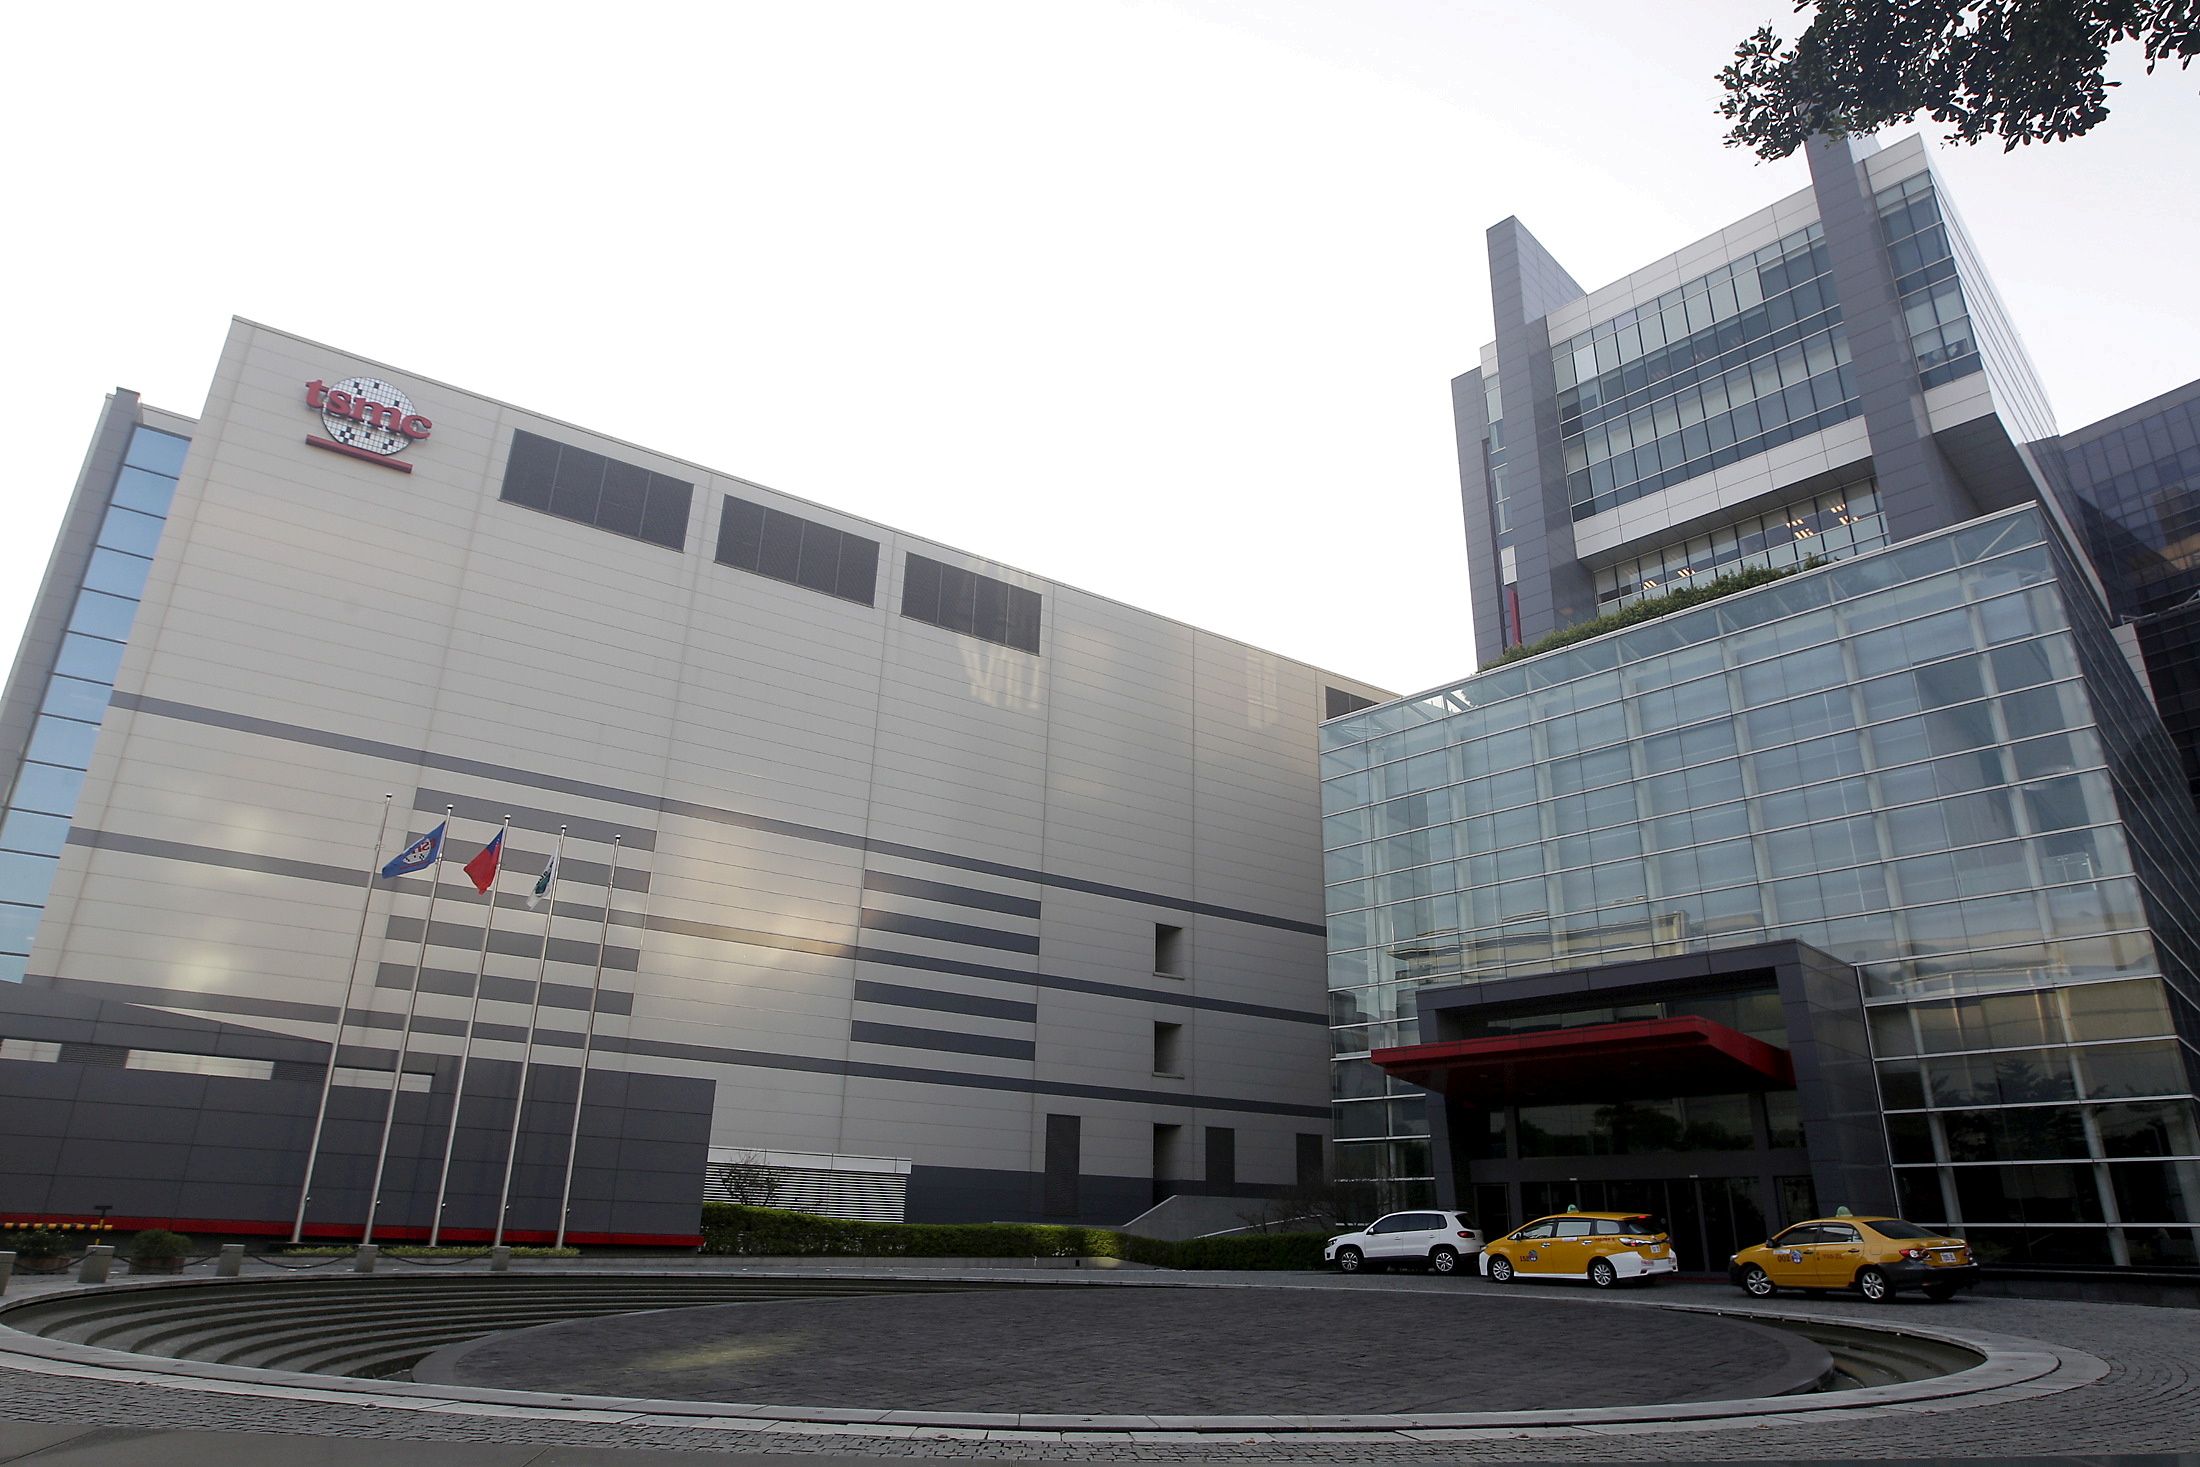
(543, 882)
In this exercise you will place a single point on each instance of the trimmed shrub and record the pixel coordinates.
(38, 1243)
(159, 1243)
(1252, 1250)
(731, 1228)
(1650, 608)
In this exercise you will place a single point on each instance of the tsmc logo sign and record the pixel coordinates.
(366, 419)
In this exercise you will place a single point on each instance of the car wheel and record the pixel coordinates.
(1501, 1270)
(1940, 1293)
(1350, 1260)
(1873, 1285)
(1602, 1274)
(1758, 1284)
(1443, 1260)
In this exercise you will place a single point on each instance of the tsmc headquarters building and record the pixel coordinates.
(885, 881)
(890, 882)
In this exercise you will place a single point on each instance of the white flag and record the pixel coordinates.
(543, 882)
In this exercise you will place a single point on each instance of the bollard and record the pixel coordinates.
(500, 1259)
(97, 1260)
(363, 1260)
(231, 1263)
(7, 1270)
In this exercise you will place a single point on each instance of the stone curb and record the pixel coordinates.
(2014, 1368)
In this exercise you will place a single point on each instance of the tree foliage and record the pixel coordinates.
(2025, 71)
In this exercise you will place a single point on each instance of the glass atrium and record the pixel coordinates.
(1930, 762)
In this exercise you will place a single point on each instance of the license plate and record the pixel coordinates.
(1944, 1258)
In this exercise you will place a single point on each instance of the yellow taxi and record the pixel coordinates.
(1875, 1256)
(1606, 1248)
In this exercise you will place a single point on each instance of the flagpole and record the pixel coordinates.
(527, 1055)
(588, 1043)
(466, 1050)
(343, 1012)
(404, 1038)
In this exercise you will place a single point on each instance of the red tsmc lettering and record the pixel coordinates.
(382, 415)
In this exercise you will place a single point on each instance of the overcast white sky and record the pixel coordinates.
(1156, 297)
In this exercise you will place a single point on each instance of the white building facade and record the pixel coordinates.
(996, 899)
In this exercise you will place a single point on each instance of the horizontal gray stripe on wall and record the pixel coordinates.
(502, 990)
(864, 1032)
(126, 995)
(1086, 985)
(174, 850)
(940, 891)
(946, 1003)
(1175, 998)
(910, 1075)
(611, 795)
(513, 944)
(491, 812)
(938, 931)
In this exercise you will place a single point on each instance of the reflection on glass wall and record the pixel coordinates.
(1744, 359)
(1829, 526)
(1924, 263)
(44, 793)
(1896, 759)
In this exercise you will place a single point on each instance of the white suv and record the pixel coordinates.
(1436, 1241)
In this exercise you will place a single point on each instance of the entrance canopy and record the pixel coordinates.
(1594, 1063)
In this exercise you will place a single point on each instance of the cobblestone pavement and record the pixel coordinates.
(2149, 1402)
(1147, 1352)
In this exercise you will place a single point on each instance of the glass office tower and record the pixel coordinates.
(1867, 886)
(2130, 484)
(1931, 765)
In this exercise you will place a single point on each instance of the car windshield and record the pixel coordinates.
(1641, 1222)
(1895, 1227)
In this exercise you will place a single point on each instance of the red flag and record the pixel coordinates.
(482, 869)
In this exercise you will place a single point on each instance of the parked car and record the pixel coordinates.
(1436, 1241)
(1876, 1256)
(1606, 1248)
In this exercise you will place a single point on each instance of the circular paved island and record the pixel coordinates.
(1147, 1351)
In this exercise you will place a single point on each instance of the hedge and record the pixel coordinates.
(769, 1232)
(1650, 608)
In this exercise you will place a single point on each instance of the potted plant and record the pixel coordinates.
(38, 1251)
(158, 1251)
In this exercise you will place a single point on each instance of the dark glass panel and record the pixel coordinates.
(576, 493)
(741, 534)
(858, 578)
(625, 491)
(529, 471)
(920, 589)
(2157, 1191)
(665, 518)
(782, 555)
(2028, 1194)
(819, 567)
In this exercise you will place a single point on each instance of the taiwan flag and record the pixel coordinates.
(420, 855)
(482, 869)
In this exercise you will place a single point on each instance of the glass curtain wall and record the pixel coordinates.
(1909, 760)
(1741, 360)
(43, 795)
(1830, 526)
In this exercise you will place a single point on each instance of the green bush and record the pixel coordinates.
(159, 1243)
(768, 1232)
(1650, 608)
(38, 1243)
(1252, 1250)
(731, 1228)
